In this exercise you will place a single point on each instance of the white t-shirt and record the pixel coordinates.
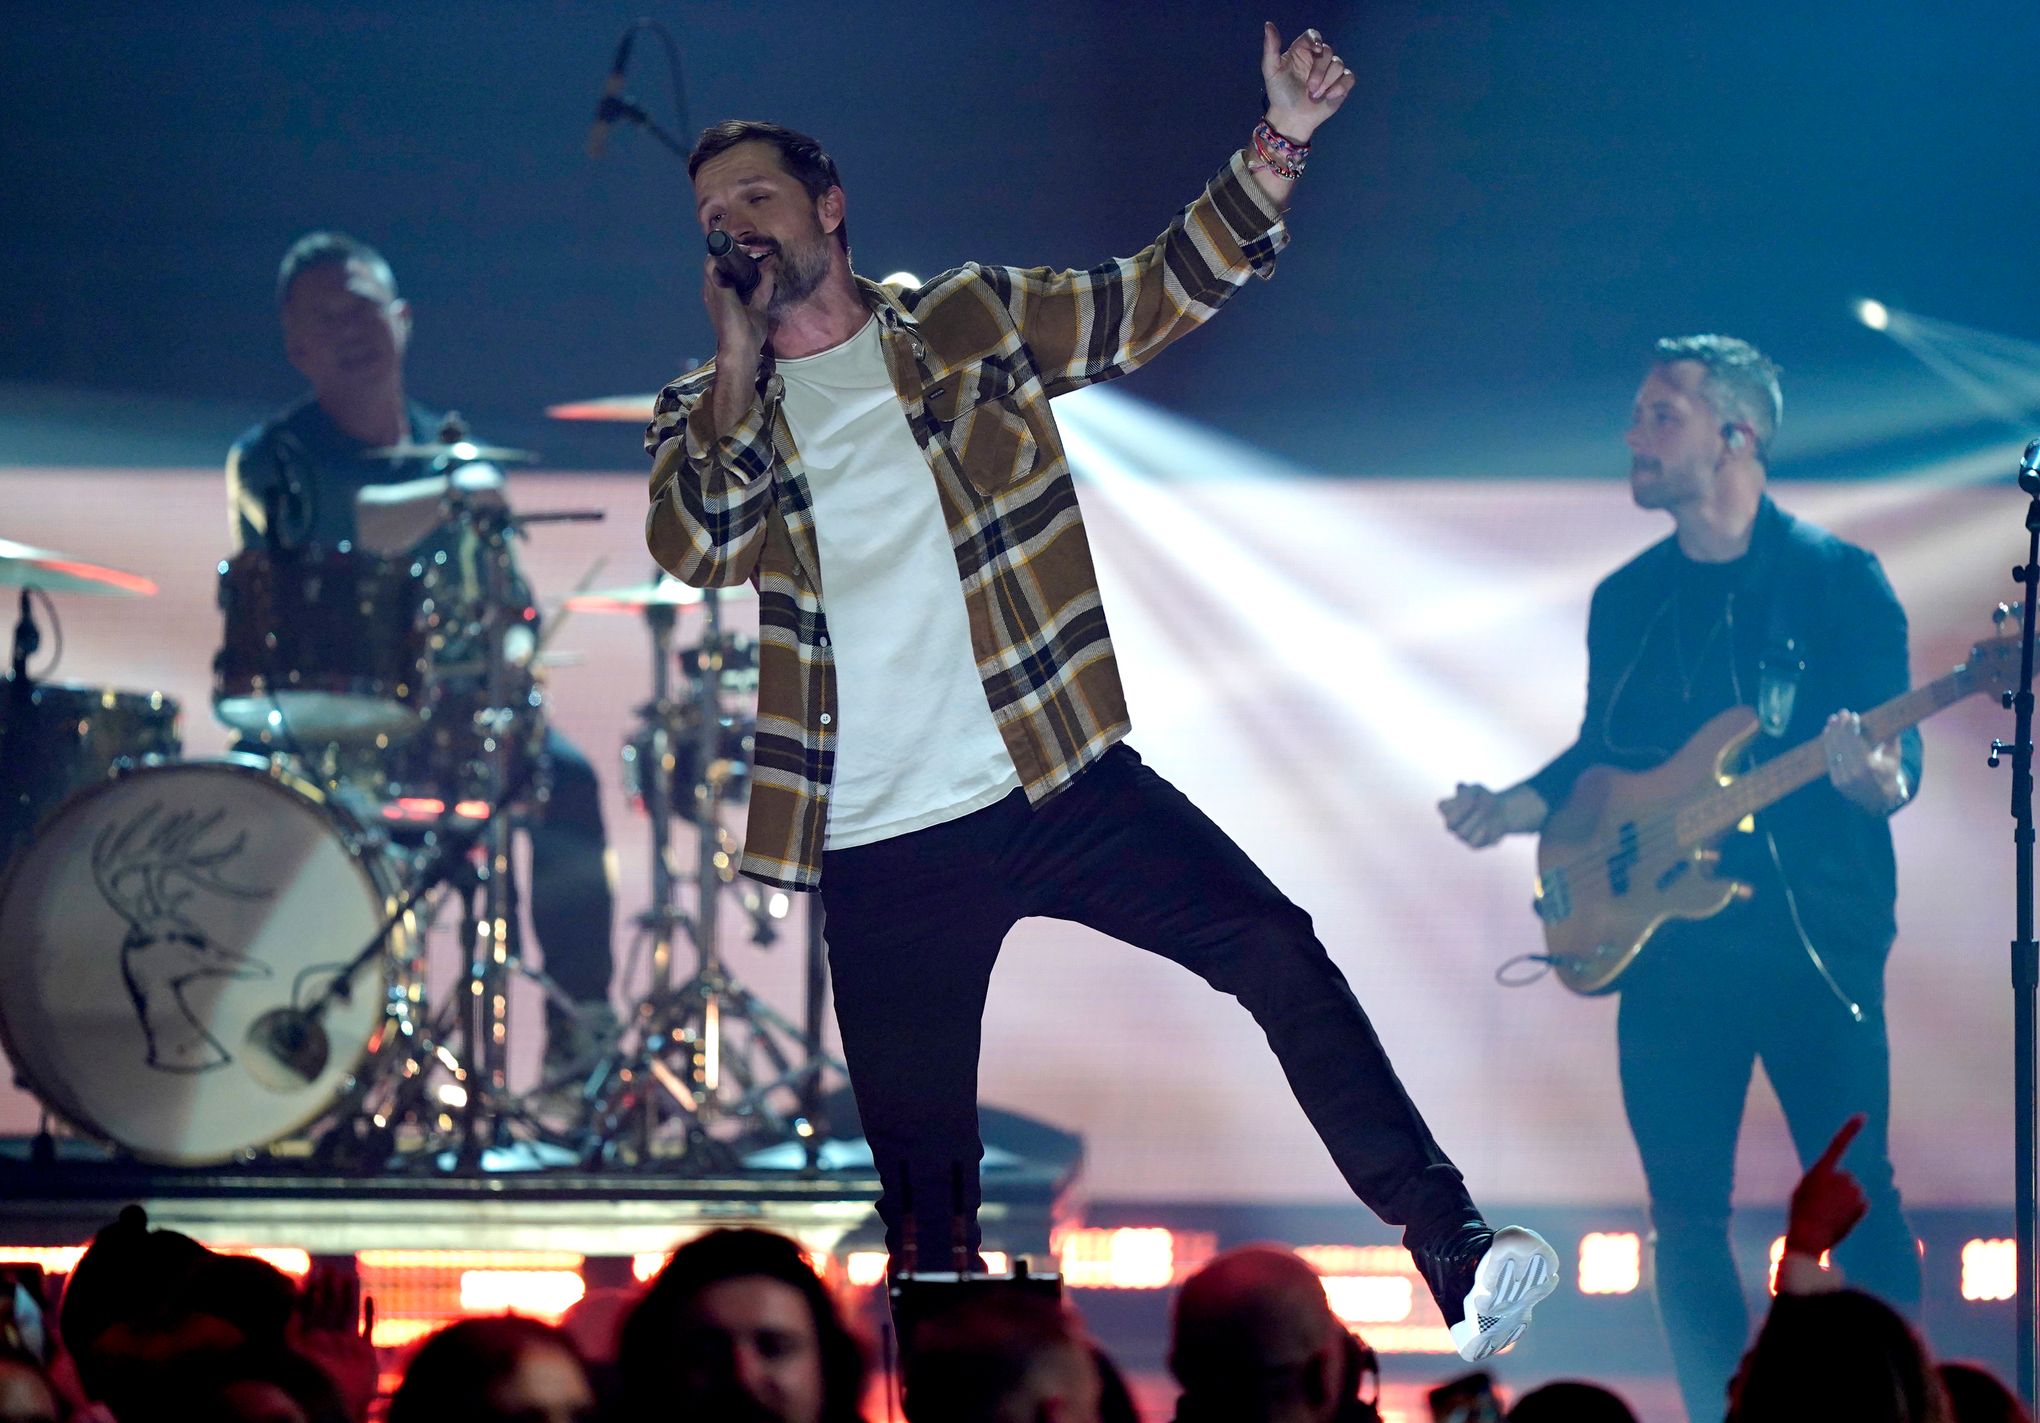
(917, 745)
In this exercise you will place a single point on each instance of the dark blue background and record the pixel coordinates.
(1517, 198)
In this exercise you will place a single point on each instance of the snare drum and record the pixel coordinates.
(322, 645)
(154, 929)
(71, 736)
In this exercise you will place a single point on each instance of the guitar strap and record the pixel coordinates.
(1782, 663)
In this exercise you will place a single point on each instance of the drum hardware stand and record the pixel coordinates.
(296, 1036)
(681, 1031)
(488, 1112)
(14, 779)
(811, 1030)
(42, 1147)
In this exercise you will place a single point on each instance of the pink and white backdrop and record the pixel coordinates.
(1314, 660)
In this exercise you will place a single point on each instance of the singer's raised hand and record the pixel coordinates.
(740, 331)
(1306, 82)
(740, 326)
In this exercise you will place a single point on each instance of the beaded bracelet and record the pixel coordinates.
(1282, 143)
(1284, 157)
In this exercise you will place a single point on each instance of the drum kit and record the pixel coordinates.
(224, 960)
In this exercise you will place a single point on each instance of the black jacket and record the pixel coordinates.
(1831, 599)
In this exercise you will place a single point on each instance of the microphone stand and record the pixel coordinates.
(2025, 950)
(622, 106)
(615, 104)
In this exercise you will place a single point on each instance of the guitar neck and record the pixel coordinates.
(1771, 782)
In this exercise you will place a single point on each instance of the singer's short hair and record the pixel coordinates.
(1741, 382)
(329, 249)
(800, 155)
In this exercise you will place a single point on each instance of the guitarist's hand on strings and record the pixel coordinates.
(1870, 776)
(1480, 816)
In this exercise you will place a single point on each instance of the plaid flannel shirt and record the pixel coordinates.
(975, 356)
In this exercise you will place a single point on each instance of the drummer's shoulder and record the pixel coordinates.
(257, 443)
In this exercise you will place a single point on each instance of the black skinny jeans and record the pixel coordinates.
(914, 925)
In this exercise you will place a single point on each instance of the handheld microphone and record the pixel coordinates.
(2029, 469)
(734, 263)
(605, 107)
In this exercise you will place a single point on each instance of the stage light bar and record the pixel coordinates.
(1873, 314)
(1357, 1259)
(51, 1259)
(392, 1332)
(1611, 1263)
(1778, 1254)
(418, 1291)
(646, 1264)
(288, 1258)
(1369, 1285)
(1363, 1301)
(1990, 1269)
(1409, 1339)
(865, 1269)
(542, 1294)
(62, 1259)
(1377, 1292)
(1132, 1258)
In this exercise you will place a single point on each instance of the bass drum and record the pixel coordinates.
(149, 935)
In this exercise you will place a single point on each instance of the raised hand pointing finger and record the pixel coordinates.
(1832, 1157)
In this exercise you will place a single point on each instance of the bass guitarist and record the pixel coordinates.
(1743, 605)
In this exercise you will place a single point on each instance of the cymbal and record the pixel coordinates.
(623, 409)
(24, 567)
(663, 593)
(459, 451)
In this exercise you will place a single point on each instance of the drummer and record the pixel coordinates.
(293, 480)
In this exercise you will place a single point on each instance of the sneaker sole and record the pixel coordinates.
(1518, 1272)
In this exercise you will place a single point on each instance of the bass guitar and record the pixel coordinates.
(1630, 850)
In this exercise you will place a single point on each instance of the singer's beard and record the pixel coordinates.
(803, 266)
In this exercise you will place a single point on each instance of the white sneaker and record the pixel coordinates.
(1517, 1273)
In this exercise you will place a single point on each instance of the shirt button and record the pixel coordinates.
(821, 642)
(826, 718)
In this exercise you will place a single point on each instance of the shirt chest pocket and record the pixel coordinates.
(979, 414)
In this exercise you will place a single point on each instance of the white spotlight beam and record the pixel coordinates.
(1999, 374)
